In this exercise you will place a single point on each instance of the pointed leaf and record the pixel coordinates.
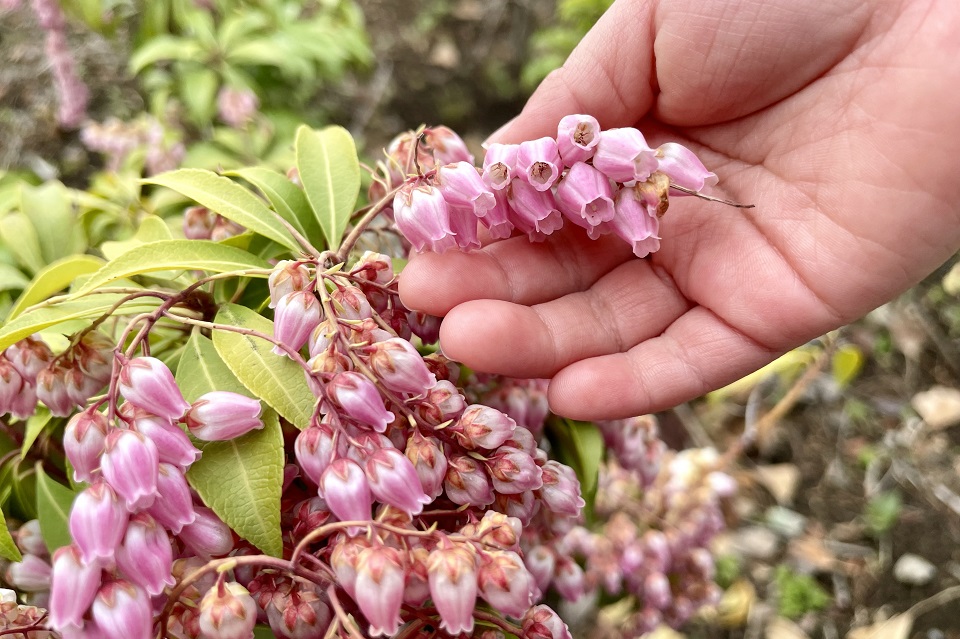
(54, 278)
(202, 255)
(54, 501)
(35, 425)
(8, 548)
(12, 278)
(279, 381)
(286, 197)
(201, 370)
(20, 237)
(163, 47)
(152, 229)
(229, 199)
(50, 208)
(330, 174)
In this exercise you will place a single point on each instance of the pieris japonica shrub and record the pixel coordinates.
(248, 426)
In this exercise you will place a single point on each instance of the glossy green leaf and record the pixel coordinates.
(229, 199)
(35, 425)
(201, 370)
(202, 255)
(330, 174)
(20, 237)
(278, 380)
(54, 278)
(287, 199)
(54, 501)
(241, 480)
(8, 548)
(50, 208)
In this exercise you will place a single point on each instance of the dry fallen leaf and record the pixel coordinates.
(734, 606)
(781, 628)
(781, 480)
(939, 407)
(896, 627)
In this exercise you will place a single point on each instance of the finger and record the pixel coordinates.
(632, 303)
(513, 270)
(696, 354)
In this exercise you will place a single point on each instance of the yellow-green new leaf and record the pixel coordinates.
(287, 198)
(201, 370)
(54, 278)
(229, 199)
(201, 255)
(50, 208)
(18, 234)
(330, 174)
(8, 548)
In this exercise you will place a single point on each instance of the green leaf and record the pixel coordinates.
(44, 317)
(51, 210)
(54, 501)
(164, 47)
(330, 174)
(278, 380)
(35, 425)
(152, 229)
(287, 198)
(198, 90)
(201, 370)
(8, 548)
(54, 278)
(240, 480)
(12, 278)
(20, 237)
(846, 364)
(202, 255)
(229, 199)
(580, 446)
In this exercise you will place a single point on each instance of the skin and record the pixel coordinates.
(839, 120)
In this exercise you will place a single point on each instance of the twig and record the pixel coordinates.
(345, 621)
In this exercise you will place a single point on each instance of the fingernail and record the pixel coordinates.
(496, 134)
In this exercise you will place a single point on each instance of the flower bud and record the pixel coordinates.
(374, 267)
(98, 521)
(309, 515)
(10, 384)
(634, 224)
(426, 327)
(122, 610)
(30, 540)
(80, 386)
(360, 399)
(442, 403)
(623, 155)
(400, 367)
(429, 462)
(344, 559)
(173, 508)
(51, 389)
(538, 163)
(73, 586)
(533, 212)
(541, 622)
(350, 303)
(585, 193)
(30, 574)
(314, 449)
(302, 614)
(379, 588)
(222, 415)
(394, 481)
(561, 489)
(499, 530)
(504, 582)
(522, 506)
(447, 146)
(467, 483)
(288, 277)
(452, 573)
(147, 383)
(344, 487)
(577, 138)
(227, 611)
(198, 223)
(656, 591)
(683, 167)
(84, 440)
(296, 316)
(173, 445)
(513, 471)
(145, 557)
(207, 536)
(500, 165)
(129, 464)
(423, 216)
(568, 579)
(540, 562)
(29, 356)
(483, 427)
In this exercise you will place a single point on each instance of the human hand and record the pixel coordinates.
(838, 120)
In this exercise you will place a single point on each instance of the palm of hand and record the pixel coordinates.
(834, 121)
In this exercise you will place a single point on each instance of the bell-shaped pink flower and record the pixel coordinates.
(129, 464)
(222, 415)
(227, 611)
(344, 487)
(497, 220)
(296, 315)
(513, 471)
(452, 572)
(533, 212)
(123, 611)
(560, 492)
(585, 193)
(350, 303)
(447, 146)
(483, 427)
(634, 223)
(538, 163)
(442, 403)
(30, 574)
(623, 155)
(207, 536)
(394, 481)
(359, 399)
(10, 384)
(500, 165)
(467, 482)
(577, 138)
(145, 557)
(29, 356)
(541, 622)
(656, 590)
(74, 584)
(423, 216)
(540, 562)
(98, 521)
(429, 462)
(379, 589)
(173, 445)
(84, 440)
(147, 383)
(303, 613)
(522, 506)
(504, 582)
(568, 579)
(51, 389)
(287, 277)
(344, 559)
(461, 186)
(463, 223)
(683, 167)
(173, 508)
(314, 449)
(424, 326)
(30, 540)
(400, 367)
(80, 386)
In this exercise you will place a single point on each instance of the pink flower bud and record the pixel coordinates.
(577, 138)
(309, 515)
(314, 449)
(207, 536)
(344, 487)
(538, 163)
(363, 445)
(453, 586)
(29, 356)
(147, 383)
(429, 462)
(656, 591)
(51, 389)
(198, 223)
(541, 622)
(394, 481)
(400, 367)
(30, 574)
(467, 483)
(30, 540)
(461, 186)
(288, 277)
(499, 530)
(25, 403)
(500, 165)
(83, 442)
(442, 403)
(423, 216)
(504, 582)
(360, 399)
(129, 464)
(497, 219)
(227, 611)
(623, 155)
(585, 193)
(145, 557)
(426, 327)
(561, 489)
(98, 520)
(322, 337)
(540, 562)
(513, 471)
(522, 506)
(568, 579)
(80, 386)
(533, 212)
(122, 610)
(683, 167)
(74, 584)
(634, 223)
(303, 614)
(173, 445)
(344, 559)
(350, 303)
(10, 384)
(463, 223)
(379, 588)
(222, 415)
(483, 427)
(374, 267)
(447, 146)
(296, 316)
(173, 508)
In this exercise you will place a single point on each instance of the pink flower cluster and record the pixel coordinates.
(137, 497)
(74, 94)
(200, 223)
(118, 140)
(604, 181)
